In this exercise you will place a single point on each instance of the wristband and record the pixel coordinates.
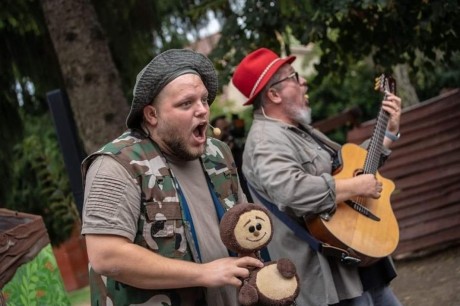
(392, 136)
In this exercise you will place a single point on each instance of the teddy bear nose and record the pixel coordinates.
(255, 230)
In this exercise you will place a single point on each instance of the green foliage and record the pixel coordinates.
(431, 81)
(336, 95)
(247, 27)
(29, 68)
(39, 180)
(37, 282)
(422, 34)
(8, 136)
(28, 62)
(333, 96)
(391, 32)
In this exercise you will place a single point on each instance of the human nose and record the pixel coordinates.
(302, 81)
(201, 109)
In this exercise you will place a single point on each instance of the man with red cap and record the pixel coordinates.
(288, 165)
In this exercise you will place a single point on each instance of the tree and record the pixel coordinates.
(91, 79)
(419, 34)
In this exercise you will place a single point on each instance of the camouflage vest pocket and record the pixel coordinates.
(164, 231)
(164, 218)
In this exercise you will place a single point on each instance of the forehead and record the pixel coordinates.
(186, 85)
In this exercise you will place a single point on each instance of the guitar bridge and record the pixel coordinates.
(362, 210)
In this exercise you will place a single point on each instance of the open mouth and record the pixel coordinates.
(200, 131)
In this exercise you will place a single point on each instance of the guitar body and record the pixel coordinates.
(347, 228)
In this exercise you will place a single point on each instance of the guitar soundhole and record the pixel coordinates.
(358, 172)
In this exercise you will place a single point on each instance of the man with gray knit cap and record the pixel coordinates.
(154, 196)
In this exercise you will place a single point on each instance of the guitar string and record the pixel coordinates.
(376, 145)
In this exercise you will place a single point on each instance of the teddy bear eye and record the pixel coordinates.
(253, 228)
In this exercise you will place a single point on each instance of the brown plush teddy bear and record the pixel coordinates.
(245, 229)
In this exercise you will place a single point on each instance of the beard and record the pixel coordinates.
(180, 150)
(304, 116)
(301, 115)
(176, 144)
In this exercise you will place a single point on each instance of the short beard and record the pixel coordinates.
(177, 147)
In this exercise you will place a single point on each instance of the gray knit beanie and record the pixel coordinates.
(164, 68)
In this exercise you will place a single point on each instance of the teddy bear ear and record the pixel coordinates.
(226, 226)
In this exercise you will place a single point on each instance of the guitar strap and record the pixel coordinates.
(327, 145)
(301, 232)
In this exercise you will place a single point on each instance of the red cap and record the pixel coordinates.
(255, 70)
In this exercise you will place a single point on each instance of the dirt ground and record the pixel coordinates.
(429, 280)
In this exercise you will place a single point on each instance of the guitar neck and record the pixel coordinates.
(385, 84)
(376, 143)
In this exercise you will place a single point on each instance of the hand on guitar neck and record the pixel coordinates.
(391, 105)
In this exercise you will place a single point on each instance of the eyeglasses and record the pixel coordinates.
(292, 75)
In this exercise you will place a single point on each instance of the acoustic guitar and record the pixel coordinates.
(365, 227)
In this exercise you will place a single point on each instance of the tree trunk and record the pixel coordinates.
(92, 81)
(405, 90)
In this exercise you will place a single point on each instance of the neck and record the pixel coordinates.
(278, 117)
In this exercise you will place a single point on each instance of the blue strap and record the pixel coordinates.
(265, 255)
(298, 230)
(218, 206)
(301, 232)
(188, 218)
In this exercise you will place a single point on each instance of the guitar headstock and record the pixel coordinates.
(385, 83)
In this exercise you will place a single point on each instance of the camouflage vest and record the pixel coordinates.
(162, 227)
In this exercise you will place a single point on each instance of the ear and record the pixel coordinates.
(150, 115)
(274, 96)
